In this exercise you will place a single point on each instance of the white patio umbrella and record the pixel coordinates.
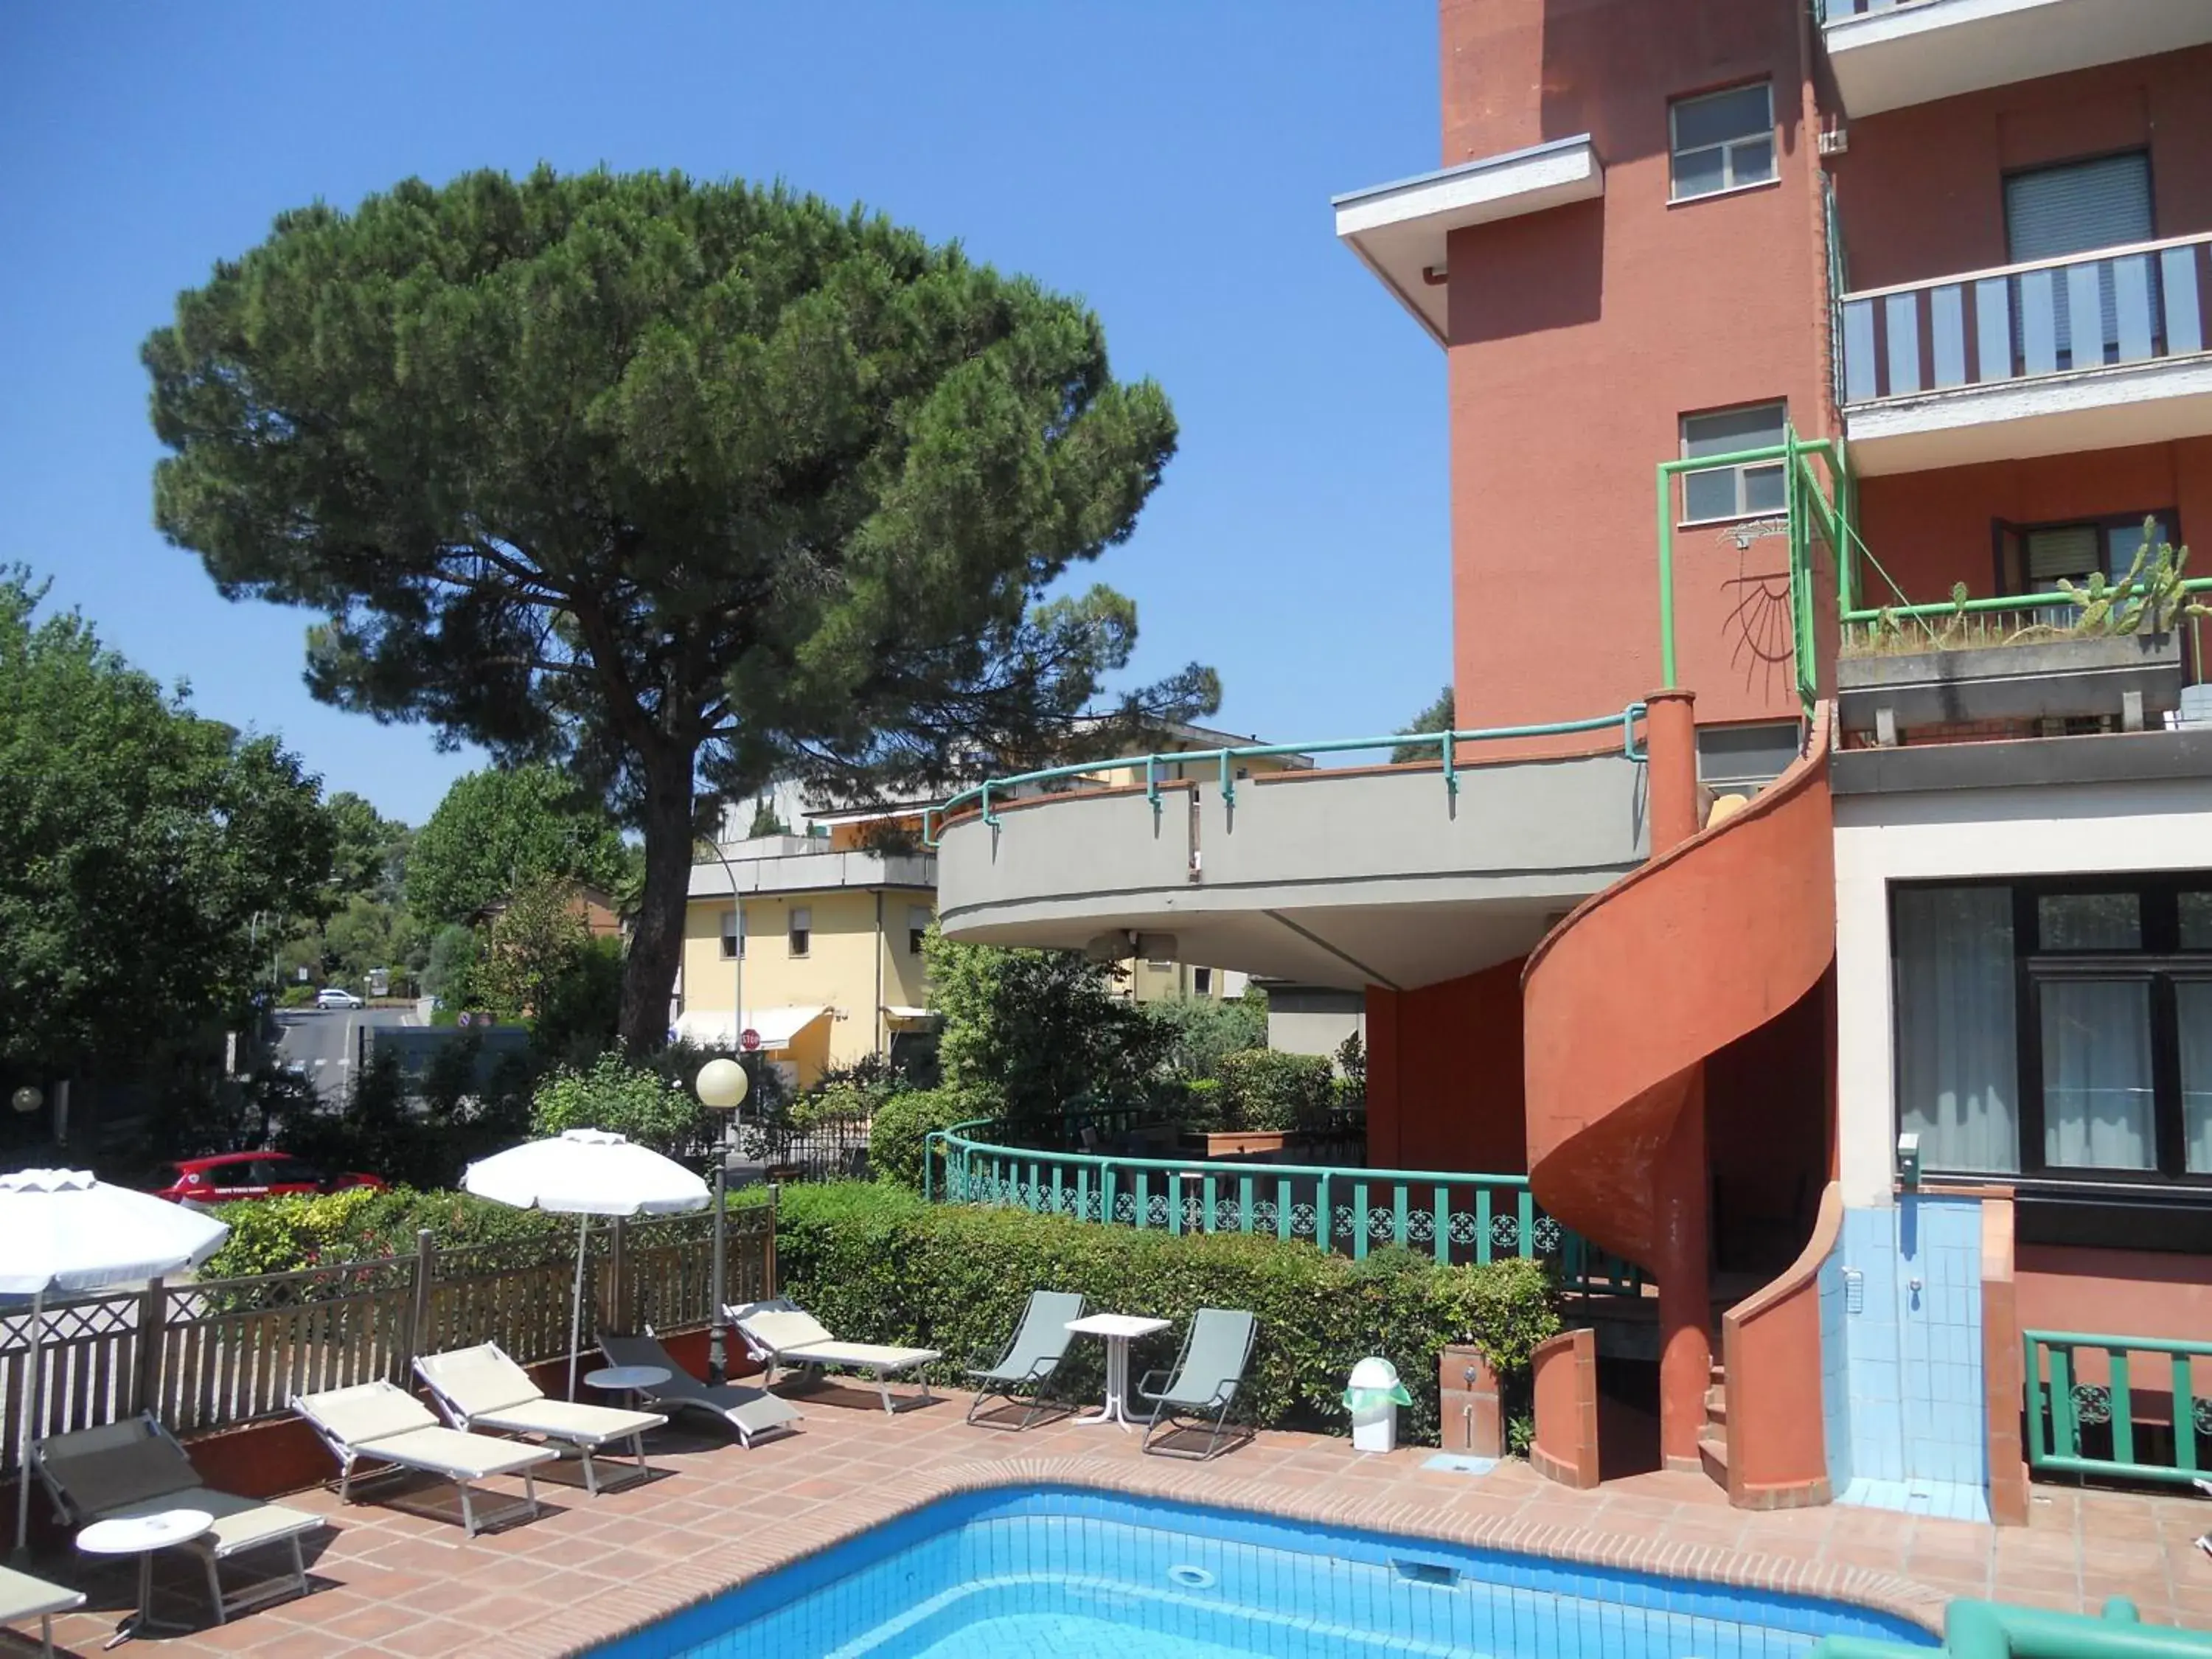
(583, 1173)
(66, 1231)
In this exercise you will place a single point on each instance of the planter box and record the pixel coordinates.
(1267, 1144)
(2128, 677)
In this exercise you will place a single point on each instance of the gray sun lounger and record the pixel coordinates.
(22, 1596)
(784, 1336)
(1023, 1376)
(385, 1424)
(136, 1467)
(481, 1387)
(1202, 1384)
(752, 1413)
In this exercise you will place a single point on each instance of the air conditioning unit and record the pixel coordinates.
(1836, 141)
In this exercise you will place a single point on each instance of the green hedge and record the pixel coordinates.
(903, 1124)
(876, 1264)
(1268, 1088)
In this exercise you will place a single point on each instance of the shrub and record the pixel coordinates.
(1200, 1108)
(622, 1098)
(880, 1265)
(1200, 1032)
(278, 1235)
(1268, 1088)
(297, 996)
(904, 1122)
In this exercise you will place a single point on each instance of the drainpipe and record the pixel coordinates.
(1681, 1250)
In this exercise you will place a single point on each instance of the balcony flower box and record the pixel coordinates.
(2122, 675)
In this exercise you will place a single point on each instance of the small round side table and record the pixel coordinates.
(141, 1535)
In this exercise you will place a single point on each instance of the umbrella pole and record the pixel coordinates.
(576, 1312)
(35, 1340)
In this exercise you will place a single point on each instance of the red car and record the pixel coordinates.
(230, 1175)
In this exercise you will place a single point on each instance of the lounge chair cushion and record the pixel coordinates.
(240, 1524)
(455, 1452)
(22, 1596)
(781, 1329)
(133, 1467)
(794, 1334)
(560, 1420)
(366, 1412)
(863, 1356)
(478, 1380)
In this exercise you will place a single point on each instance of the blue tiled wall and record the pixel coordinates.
(1835, 1372)
(1902, 1374)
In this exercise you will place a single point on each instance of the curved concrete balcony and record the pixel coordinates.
(1396, 876)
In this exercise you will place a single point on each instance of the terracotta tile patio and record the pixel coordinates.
(397, 1576)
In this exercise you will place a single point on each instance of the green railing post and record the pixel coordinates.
(2065, 1410)
(1443, 1209)
(2123, 1407)
(1482, 1225)
(2184, 1416)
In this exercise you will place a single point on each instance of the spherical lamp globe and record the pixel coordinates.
(27, 1099)
(722, 1084)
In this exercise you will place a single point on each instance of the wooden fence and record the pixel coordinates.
(219, 1352)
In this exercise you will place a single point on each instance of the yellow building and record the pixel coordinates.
(826, 963)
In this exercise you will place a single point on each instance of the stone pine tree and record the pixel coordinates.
(678, 485)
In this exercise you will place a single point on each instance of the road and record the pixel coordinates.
(324, 1043)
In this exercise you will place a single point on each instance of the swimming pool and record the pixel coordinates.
(1023, 1572)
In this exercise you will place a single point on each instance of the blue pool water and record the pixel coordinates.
(1027, 1572)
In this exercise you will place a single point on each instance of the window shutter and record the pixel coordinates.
(2073, 550)
(2055, 211)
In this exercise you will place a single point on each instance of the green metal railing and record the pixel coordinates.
(2066, 1416)
(1225, 762)
(1453, 1217)
(1820, 503)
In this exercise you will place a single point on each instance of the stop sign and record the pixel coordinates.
(749, 1039)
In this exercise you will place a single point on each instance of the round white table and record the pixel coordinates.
(626, 1379)
(1119, 1330)
(141, 1535)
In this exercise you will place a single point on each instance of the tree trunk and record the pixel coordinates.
(656, 944)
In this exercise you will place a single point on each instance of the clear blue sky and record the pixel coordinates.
(1170, 160)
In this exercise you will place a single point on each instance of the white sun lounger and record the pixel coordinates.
(136, 1468)
(783, 1336)
(481, 1387)
(22, 1596)
(385, 1424)
(753, 1413)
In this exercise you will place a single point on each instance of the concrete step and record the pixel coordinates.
(1713, 1451)
(1718, 1374)
(1717, 1403)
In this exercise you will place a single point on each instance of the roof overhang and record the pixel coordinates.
(1399, 230)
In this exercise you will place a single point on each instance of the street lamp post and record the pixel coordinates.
(722, 1087)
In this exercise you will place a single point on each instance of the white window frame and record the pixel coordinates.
(1742, 471)
(1728, 147)
(799, 930)
(734, 934)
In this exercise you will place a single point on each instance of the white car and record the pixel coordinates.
(336, 996)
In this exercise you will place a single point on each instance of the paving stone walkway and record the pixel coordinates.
(396, 1576)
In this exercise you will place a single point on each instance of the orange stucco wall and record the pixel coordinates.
(1443, 1075)
(1777, 1448)
(1920, 191)
(2130, 1292)
(1931, 528)
(1581, 335)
